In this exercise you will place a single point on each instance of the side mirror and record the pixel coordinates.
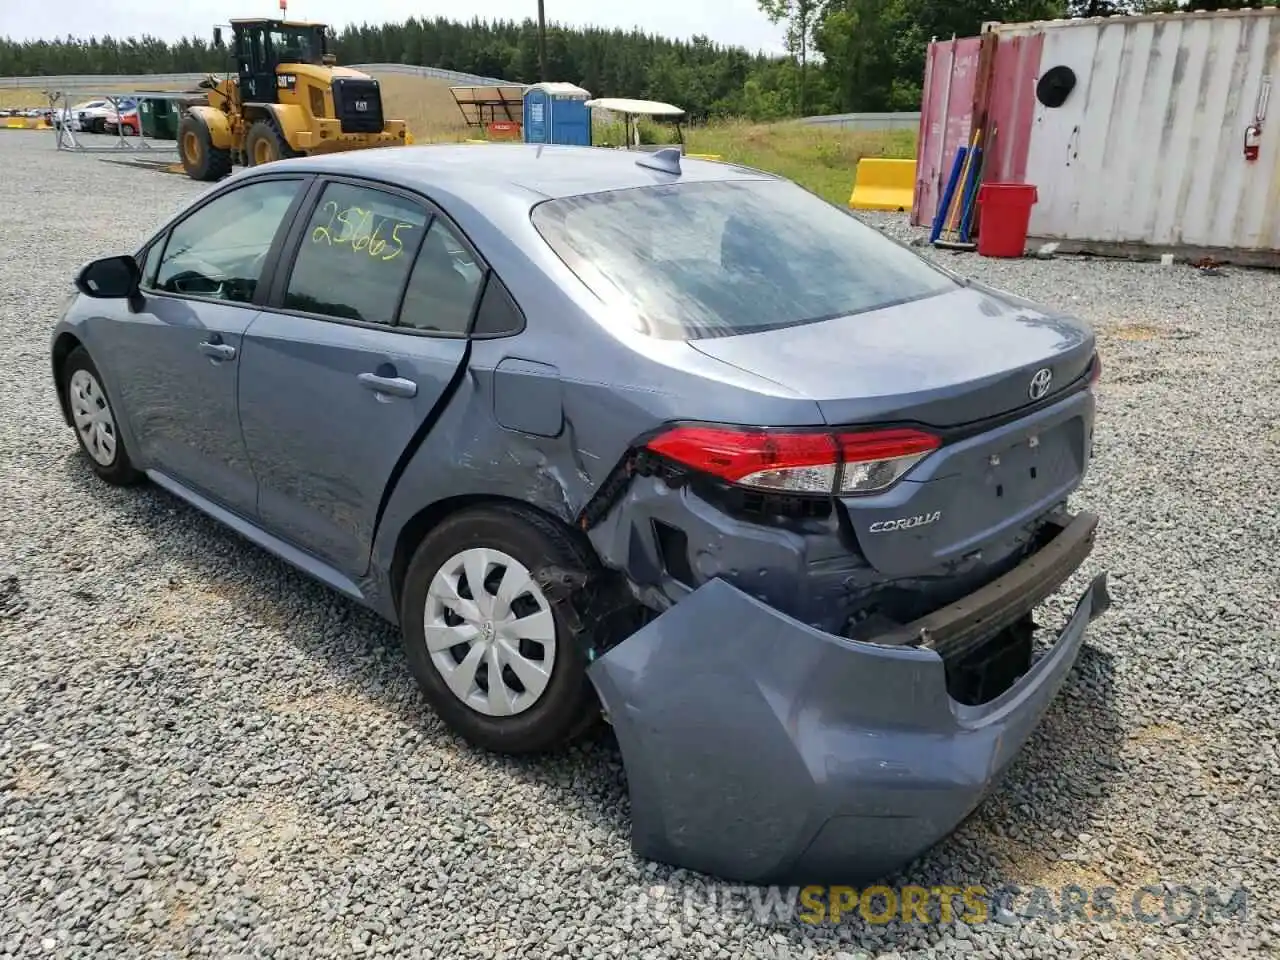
(111, 278)
(217, 36)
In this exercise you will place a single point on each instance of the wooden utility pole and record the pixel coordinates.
(542, 41)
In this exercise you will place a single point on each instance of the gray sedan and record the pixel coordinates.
(663, 440)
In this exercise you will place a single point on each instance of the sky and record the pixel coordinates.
(728, 22)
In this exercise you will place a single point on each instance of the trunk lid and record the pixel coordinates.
(943, 361)
(961, 362)
(973, 500)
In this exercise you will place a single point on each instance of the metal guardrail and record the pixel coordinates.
(435, 73)
(94, 81)
(91, 82)
(868, 121)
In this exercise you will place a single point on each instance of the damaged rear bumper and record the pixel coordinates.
(759, 749)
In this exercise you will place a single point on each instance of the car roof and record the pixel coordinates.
(474, 172)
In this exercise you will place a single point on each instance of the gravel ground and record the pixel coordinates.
(203, 753)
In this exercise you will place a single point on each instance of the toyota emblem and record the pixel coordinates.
(1040, 383)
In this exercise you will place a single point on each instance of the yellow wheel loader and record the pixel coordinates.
(284, 98)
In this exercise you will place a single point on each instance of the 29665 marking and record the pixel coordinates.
(359, 232)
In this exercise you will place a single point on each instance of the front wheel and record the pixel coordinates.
(490, 643)
(95, 421)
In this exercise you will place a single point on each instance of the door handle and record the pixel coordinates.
(394, 386)
(218, 351)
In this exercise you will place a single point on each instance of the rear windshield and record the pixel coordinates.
(685, 261)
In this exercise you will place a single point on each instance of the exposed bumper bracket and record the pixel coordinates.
(959, 627)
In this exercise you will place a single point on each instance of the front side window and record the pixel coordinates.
(150, 261)
(685, 261)
(219, 252)
(356, 254)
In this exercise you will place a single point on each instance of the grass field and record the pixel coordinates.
(816, 157)
(426, 104)
(820, 158)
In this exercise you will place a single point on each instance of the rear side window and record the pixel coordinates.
(685, 261)
(356, 254)
(498, 314)
(442, 290)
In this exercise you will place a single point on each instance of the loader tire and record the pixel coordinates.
(264, 143)
(200, 158)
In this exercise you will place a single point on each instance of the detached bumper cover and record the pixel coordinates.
(760, 750)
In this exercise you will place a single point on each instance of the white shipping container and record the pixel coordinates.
(1148, 149)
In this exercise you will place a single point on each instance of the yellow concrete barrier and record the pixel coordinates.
(703, 156)
(881, 184)
(24, 123)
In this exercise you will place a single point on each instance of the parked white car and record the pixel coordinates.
(89, 116)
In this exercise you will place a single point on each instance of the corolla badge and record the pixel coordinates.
(905, 523)
(1040, 381)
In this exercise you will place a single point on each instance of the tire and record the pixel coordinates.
(264, 143)
(95, 421)
(567, 706)
(200, 158)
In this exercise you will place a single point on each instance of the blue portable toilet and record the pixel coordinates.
(557, 113)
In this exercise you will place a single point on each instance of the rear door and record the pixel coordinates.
(365, 334)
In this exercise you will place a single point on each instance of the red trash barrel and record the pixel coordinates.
(1006, 214)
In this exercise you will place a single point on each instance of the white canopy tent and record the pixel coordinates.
(632, 109)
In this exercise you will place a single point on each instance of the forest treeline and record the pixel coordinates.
(845, 55)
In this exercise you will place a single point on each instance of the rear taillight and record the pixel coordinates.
(875, 459)
(798, 462)
(1095, 370)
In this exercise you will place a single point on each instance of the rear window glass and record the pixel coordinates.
(686, 261)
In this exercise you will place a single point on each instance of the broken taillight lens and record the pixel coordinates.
(797, 462)
(1095, 369)
(875, 459)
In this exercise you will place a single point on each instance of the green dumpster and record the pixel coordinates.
(158, 117)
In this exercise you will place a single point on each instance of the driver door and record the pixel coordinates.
(256, 66)
(178, 357)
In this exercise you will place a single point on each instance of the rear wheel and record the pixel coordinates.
(95, 421)
(200, 158)
(488, 639)
(264, 143)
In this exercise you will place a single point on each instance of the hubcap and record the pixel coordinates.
(262, 152)
(92, 416)
(191, 147)
(490, 632)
